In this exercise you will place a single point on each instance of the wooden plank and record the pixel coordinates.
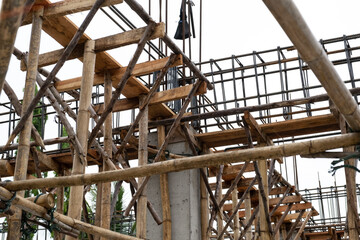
(102, 44)
(159, 97)
(281, 209)
(295, 127)
(272, 201)
(293, 216)
(139, 70)
(68, 7)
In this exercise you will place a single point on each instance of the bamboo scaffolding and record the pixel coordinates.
(245, 155)
(311, 51)
(248, 233)
(22, 157)
(298, 235)
(236, 220)
(70, 47)
(82, 126)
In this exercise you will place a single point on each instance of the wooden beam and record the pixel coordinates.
(312, 146)
(48, 161)
(63, 8)
(139, 70)
(102, 44)
(281, 209)
(159, 97)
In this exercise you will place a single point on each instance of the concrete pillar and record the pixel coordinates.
(184, 191)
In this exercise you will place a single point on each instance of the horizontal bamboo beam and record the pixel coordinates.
(139, 70)
(254, 154)
(159, 97)
(101, 44)
(68, 7)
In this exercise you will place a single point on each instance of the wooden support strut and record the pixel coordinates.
(55, 70)
(305, 147)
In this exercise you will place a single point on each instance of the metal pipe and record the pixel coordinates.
(294, 25)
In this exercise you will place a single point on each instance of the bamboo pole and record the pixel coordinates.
(236, 218)
(10, 20)
(290, 19)
(60, 195)
(47, 200)
(350, 177)
(70, 47)
(82, 126)
(298, 235)
(143, 158)
(148, 31)
(293, 226)
(64, 221)
(218, 196)
(106, 187)
(248, 233)
(164, 190)
(245, 155)
(22, 157)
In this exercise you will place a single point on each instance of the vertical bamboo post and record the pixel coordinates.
(82, 128)
(143, 158)
(220, 224)
(235, 199)
(248, 235)
(264, 229)
(22, 157)
(59, 205)
(204, 203)
(98, 204)
(350, 176)
(164, 188)
(106, 187)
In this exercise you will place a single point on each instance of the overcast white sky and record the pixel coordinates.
(229, 27)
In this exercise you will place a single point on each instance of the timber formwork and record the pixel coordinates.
(235, 119)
